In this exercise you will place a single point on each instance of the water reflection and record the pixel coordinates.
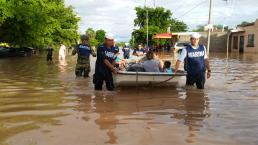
(196, 106)
(46, 104)
(150, 107)
(30, 95)
(62, 65)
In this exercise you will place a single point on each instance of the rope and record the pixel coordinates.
(159, 83)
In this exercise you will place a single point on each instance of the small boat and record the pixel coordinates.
(125, 78)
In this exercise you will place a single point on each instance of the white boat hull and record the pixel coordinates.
(147, 78)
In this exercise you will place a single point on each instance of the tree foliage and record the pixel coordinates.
(159, 19)
(90, 33)
(100, 35)
(96, 37)
(37, 22)
(244, 23)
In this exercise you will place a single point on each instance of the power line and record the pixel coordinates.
(179, 6)
(199, 4)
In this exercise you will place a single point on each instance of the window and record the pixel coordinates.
(235, 42)
(250, 40)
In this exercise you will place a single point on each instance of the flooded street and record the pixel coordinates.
(44, 104)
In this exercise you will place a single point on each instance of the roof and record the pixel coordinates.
(237, 30)
(163, 36)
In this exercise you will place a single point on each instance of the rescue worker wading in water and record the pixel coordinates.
(105, 64)
(83, 61)
(196, 61)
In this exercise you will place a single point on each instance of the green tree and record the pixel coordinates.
(120, 44)
(157, 17)
(100, 36)
(4, 11)
(140, 35)
(244, 23)
(93, 42)
(90, 33)
(159, 20)
(177, 26)
(37, 23)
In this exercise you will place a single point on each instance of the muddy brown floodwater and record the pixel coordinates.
(44, 104)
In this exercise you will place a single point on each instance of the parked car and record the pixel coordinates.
(16, 52)
(28, 51)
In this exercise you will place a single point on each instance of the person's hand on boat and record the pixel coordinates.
(175, 71)
(208, 74)
(114, 70)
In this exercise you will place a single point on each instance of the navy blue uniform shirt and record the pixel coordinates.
(104, 53)
(84, 50)
(195, 60)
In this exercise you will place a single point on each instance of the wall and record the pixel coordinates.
(218, 41)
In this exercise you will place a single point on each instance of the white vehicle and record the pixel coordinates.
(180, 45)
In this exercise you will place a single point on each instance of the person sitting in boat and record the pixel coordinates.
(152, 64)
(120, 63)
(167, 67)
(140, 51)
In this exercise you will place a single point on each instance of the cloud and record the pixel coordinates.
(116, 16)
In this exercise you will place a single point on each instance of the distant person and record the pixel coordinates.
(167, 67)
(140, 51)
(83, 60)
(126, 51)
(151, 64)
(62, 52)
(196, 61)
(105, 64)
(50, 54)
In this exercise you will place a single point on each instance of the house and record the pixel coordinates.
(244, 39)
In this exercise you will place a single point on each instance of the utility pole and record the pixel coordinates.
(209, 31)
(133, 42)
(154, 3)
(147, 21)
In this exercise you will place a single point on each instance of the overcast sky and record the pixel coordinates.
(116, 16)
